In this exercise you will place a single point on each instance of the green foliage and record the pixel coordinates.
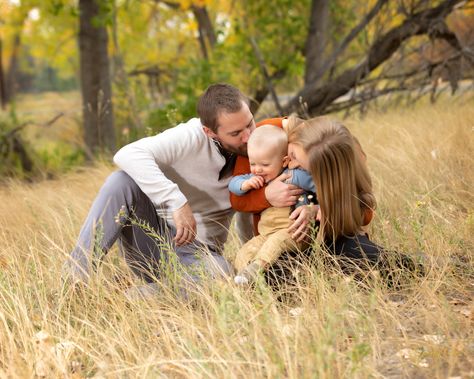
(57, 7)
(47, 79)
(60, 157)
(160, 119)
(50, 42)
(147, 36)
(105, 15)
(232, 59)
(15, 154)
(192, 80)
(280, 33)
(20, 158)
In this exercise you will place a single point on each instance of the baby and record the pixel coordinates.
(268, 156)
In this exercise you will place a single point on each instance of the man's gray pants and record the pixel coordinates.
(118, 201)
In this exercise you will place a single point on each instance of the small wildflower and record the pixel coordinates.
(41, 336)
(423, 363)
(75, 366)
(413, 356)
(406, 353)
(41, 368)
(121, 216)
(295, 312)
(433, 338)
(287, 330)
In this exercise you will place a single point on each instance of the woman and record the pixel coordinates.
(336, 161)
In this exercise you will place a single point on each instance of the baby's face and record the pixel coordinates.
(264, 163)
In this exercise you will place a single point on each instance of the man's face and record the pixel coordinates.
(234, 130)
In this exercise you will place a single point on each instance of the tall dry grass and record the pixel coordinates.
(329, 327)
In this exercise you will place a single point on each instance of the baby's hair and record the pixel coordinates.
(269, 137)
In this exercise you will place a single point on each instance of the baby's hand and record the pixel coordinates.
(255, 182)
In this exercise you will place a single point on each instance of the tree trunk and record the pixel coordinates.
(98, 116)
(10, 80)
(26, 162)
(3, 98)
(316, 42)
(206, 30)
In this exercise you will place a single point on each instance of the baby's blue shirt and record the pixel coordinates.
(300, 178)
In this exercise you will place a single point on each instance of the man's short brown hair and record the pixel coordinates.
(219, 98)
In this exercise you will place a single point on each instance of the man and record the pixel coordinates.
(176, 183)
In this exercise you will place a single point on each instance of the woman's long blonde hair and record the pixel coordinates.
(339, 171)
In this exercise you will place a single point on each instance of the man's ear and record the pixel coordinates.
(286, 160)
(209, 132)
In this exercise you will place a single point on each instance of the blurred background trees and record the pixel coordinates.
(141, 64)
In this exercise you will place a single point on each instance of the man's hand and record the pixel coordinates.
(255, 182)
(280, 194)
(302, 216)
(185, 225)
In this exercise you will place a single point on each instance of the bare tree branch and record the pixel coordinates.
(262, 93)
(442, 31)
(425, 85)
(331, 61)
(364, 97)
(425, 69)
(207, 35)
(318, 99)
(3, 95)
(316, 41)
(11, 142)
(46, 124)
(267, 77)
(148, 71)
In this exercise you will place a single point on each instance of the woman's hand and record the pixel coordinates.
(302, 217)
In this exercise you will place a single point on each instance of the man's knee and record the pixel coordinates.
(119, 180)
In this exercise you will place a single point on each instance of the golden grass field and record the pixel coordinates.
(422, 164)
